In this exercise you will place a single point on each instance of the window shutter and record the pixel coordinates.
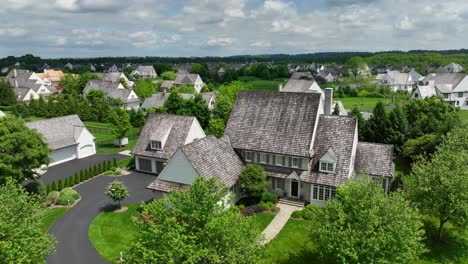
(272, 183)
(268, 159)
(258, 157)
(284, 161)
(290, 162)
(300, 163)
(273, 159)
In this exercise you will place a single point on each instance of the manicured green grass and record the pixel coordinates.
(262, 85)
(463, 116)
(104, 137)
(363, 103)
(292, 244)
(262, 220)
(50, 215)
(112, 232)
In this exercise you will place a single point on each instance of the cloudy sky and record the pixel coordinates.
(90, 28)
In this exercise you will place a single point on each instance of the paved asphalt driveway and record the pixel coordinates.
(67, 169)
(71, 230)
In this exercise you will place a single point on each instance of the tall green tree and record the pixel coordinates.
(215, 127)
(253, 180)
(201, 69)
(21, 150)
(8, 96)
(174, 103)
(198, 108)
(22, 238)
(144, 88)
(195, 228)
(355, 65)
(377, 125)
(439, 186)
(398, 128)
(120, 123)
(365, 225)
(99, 105)
(362, 124)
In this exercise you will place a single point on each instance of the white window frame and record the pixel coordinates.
(279, 160)
(154, 145)
(323, 193)
(327, 164)
(261, 158)
(247, 153)
(292, 162)
(278, 183)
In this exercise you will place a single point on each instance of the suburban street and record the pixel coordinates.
(71, 230)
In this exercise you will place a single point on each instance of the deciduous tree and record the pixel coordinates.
(253, 180)
(117, 191)
(120, 123)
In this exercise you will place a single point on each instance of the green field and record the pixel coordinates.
(104, 137)
(50, 215)
(463, 116)
(262, 85)
(362, 103)
(112, 232)
(262, 220)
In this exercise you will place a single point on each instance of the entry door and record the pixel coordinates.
(294, 188)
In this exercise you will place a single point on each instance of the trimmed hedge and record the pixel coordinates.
(305, 213)
(68, 196)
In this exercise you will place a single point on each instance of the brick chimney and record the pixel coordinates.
(328, 101)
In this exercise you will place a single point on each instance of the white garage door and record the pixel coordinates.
(62, 155)
(86, 151)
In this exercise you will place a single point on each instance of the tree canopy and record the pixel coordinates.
(365, 225)
(193, 226)
(144, 88)
(22, 150)
(22, 238)
(120, 122)
(439, 186)
(8, 96)
(253, 180)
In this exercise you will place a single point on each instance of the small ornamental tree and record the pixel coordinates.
(108, 165)
(60, 185)
(253, 180)
(95, 171)
(117, 191)
(86, 173)
(82, 176)
(99, 168)
(114, 163)
(76, 179)
(53, 186)
(363, 224)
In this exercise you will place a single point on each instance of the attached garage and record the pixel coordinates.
(62, 155)
(86, 151)
(144, 164)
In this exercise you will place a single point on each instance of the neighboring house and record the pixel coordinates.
(326, 77)
(160, 138)
(50, 77)
(305, 153)
(67, 137)
(399, 81)
(114, 68)
(301, 84)
(166, 86)
(221, 72)
(453, 87)
(28, 85)
(114, 90)
(158, 99)
(454, 68)
(208, 157)
(117, 77)
(190, 79)
(144, 72)
(69, 66)
(302, 75)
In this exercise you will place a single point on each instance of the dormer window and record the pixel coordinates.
(156, 145)
(328, 162)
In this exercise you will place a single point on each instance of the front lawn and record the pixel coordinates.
(50, 215)
(364, 104)
(112, 232)
(262, 220)
(463, 114)
(262, 85)
(292, 244)
(105, 139)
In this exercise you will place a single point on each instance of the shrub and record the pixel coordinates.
(49, 188)
(269, 197)
(68, 195)
(66, 182)
(36, 187)
(82, 176)
(266, 205)
(60, 185)
(53, 186)
(99, 168)
(251, 210)
(306, 213)
(52, 198)
(95, 171)
(76, 179)
(109, 165)
(114, 163)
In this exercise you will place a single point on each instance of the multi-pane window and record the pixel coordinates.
(327, 166)
(263, 158)
(295, 162)
(323, 193)
(248, 156)
(279, 160)
(460, 94)
(277, 183)
(156, 145)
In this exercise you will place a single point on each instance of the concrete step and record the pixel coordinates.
(291, 202)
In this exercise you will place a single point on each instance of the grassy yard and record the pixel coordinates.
(262, 85)
(463, 116)
(104, 138)
(262, 220)
(50, 215)
(363, 103)
(112, 232)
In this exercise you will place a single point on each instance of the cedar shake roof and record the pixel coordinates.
(158, 99)
(59, 132)
(299, 85)
(180, 127)
(167, 84)
(302, 75)
(165, 186)
(337, 133)
(213, 157)
(186, 78)
(273, 122)
(374, 159)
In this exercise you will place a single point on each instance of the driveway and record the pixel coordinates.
(71, 230)
(67, 169)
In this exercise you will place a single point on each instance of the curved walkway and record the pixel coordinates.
(279, 221)
(71, 230)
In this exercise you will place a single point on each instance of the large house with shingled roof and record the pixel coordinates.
(306, 152)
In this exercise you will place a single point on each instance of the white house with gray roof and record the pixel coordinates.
(158, 99)
(114, 90)
(305, 152)
(453, 87)
(144, 72)
(191, 79)
(160, 138)
(28, 86)
(67, 137)
(399, 81)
